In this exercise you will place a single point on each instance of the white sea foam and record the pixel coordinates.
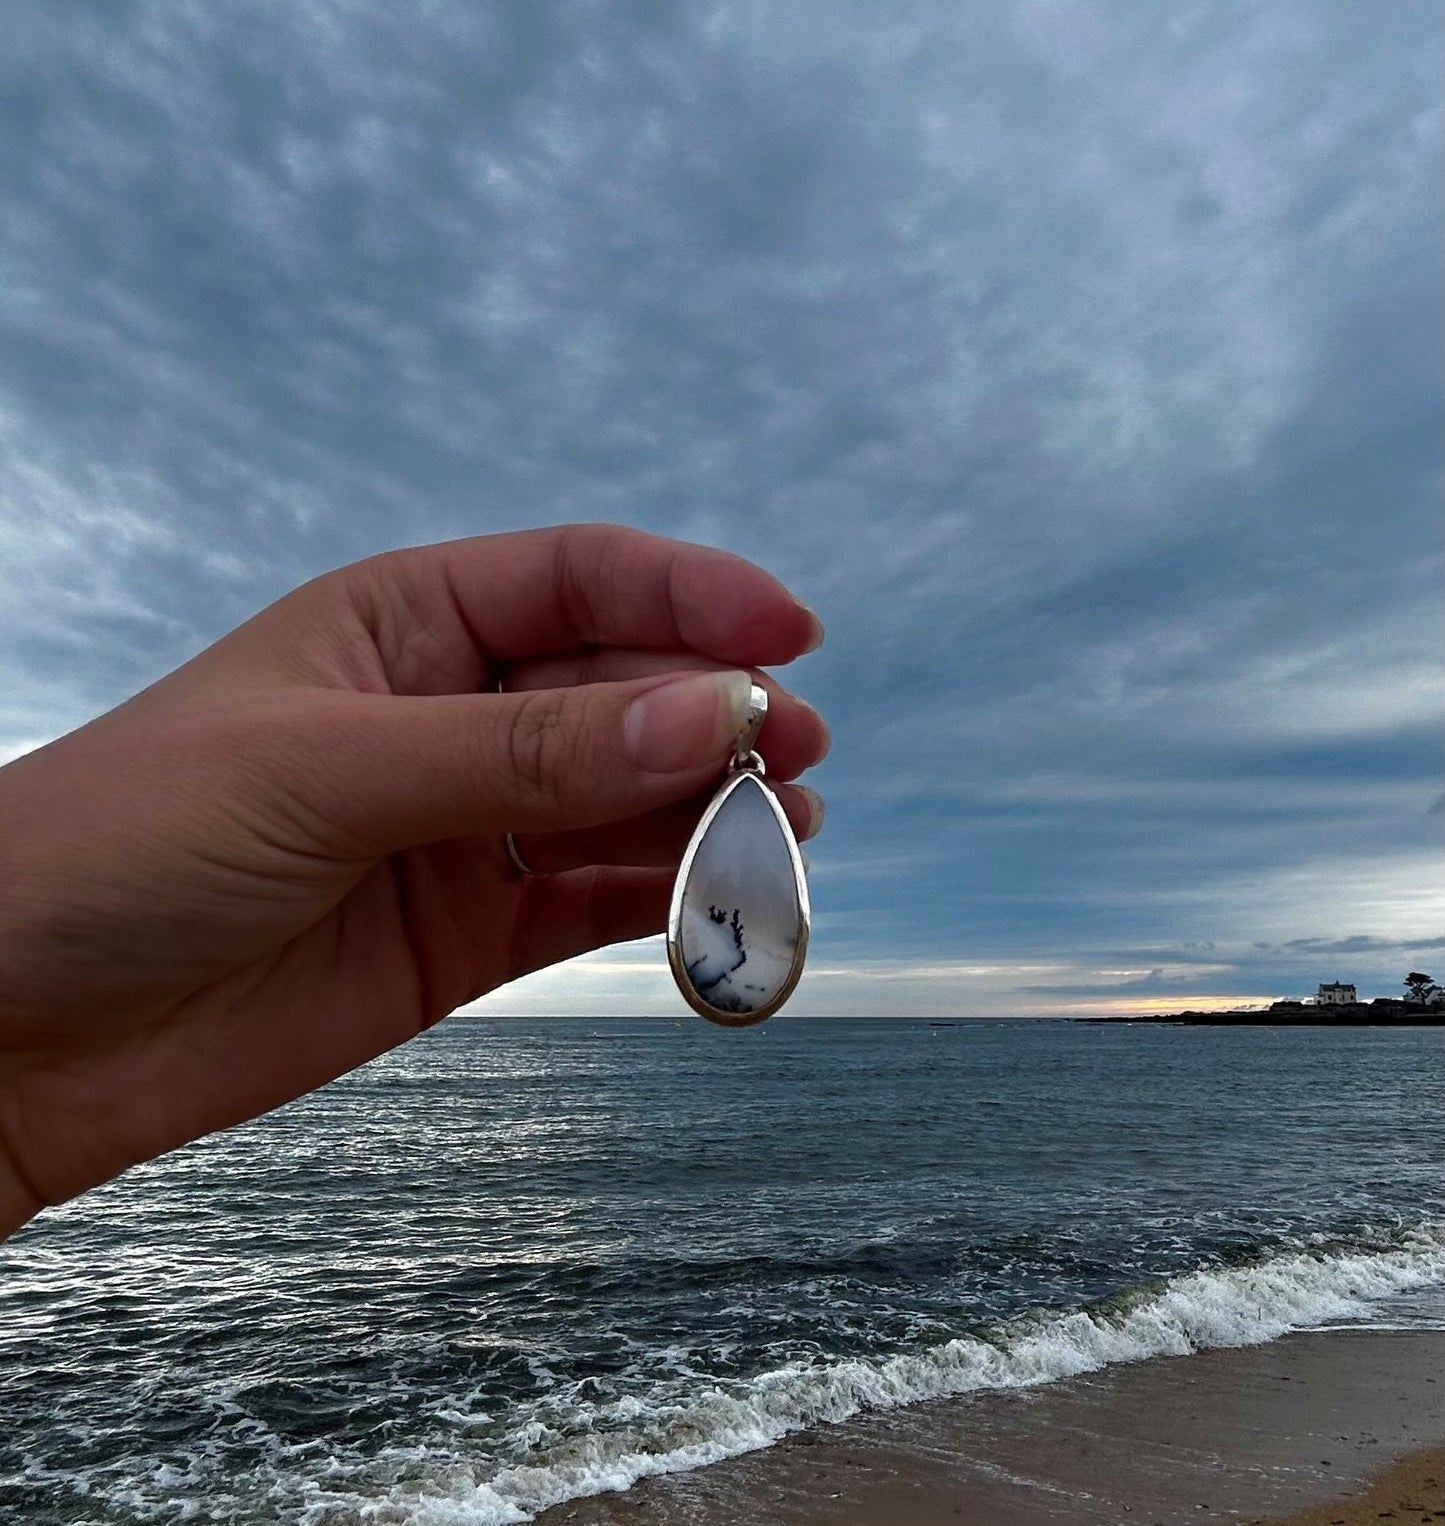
(616, 1444)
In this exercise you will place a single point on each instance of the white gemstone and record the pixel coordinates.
(743, 905)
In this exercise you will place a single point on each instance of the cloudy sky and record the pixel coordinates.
(1079, 362)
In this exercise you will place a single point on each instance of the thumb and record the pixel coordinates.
(407, 770)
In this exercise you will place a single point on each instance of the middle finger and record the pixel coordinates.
(655, 840)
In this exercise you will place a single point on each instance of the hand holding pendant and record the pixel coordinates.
(290, 854)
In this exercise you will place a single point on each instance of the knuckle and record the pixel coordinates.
(595, 565)
(539, 743)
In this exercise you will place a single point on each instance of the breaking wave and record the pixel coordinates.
(611, 1446)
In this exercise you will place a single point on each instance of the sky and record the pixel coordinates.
(1078, 362)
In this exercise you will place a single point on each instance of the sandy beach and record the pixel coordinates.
(1410, 1491)
(1347, 1419)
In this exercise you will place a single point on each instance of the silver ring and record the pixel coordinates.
(513, 852)
(515, 855)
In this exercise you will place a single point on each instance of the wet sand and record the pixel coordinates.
(1246, 1435)
(1410, 1492)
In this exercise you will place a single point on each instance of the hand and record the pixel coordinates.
(288, 855)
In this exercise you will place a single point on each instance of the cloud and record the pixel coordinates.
(1079, 365)
(1360, 944)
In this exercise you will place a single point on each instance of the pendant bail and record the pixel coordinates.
(743, 754)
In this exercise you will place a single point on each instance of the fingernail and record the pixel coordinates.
(823, 727)
(686, 722)
(816, 639)
(816, 810)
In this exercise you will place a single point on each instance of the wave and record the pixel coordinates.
(601, 1447)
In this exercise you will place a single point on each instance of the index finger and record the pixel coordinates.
(532, 592)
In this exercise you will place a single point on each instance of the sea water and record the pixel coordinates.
(519, 1261)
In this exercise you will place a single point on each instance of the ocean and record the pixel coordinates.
(523, 1260)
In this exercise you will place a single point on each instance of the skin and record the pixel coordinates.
(288, 856)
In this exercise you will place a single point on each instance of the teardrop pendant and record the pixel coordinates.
(737, 933)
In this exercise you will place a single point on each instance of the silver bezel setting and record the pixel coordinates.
(749, 771)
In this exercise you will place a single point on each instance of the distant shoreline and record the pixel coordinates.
(1361, 1015)
(1364, 1015)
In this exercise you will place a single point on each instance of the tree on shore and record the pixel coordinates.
(1420, 987)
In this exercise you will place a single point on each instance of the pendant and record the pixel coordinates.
(737, 933)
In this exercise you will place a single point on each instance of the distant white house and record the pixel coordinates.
(1336, 994)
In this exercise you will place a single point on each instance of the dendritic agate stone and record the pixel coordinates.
(740, 916)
